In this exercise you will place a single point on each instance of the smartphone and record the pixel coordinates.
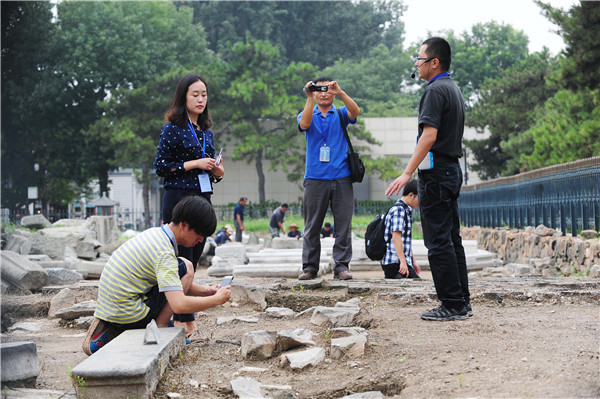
(218, 160)
(226, 281)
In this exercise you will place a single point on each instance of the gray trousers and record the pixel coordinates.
(238, 231)
(318, 196)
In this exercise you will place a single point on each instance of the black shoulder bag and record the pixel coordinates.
(357, 168)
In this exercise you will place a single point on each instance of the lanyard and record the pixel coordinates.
(203, 138)
(324, 132)
(439, 76)
(169, 237)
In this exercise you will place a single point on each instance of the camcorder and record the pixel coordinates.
(314, 87)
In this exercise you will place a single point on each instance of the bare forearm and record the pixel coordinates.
(353, 109)
(307, 113)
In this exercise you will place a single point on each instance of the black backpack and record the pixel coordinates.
(375, 245)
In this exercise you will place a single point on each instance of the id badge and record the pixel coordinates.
(205, 185)
(427, 162)
(324, 154)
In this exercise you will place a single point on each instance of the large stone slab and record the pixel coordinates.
(125, 367)
(38, 221)
(104, 228)
(62, 276)
(57, 241)
(20, 272)
(20, 366)
(19, 241)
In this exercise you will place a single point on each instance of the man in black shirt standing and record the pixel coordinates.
(440, 132)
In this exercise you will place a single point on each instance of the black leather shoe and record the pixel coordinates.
(307, 276)
(342, 276)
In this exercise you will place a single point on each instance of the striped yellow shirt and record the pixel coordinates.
(134, 268)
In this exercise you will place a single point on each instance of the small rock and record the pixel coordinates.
(173, 395)
(193, 383)
(589, 234)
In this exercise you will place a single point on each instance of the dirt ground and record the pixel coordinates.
(529, 338)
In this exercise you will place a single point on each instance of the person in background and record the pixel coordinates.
(439, 146)
(223, 235)
(399, 261)
(238, 218)
(185, 159)
(327, 230)
(277, 220)
(294, 232)
(327, 181)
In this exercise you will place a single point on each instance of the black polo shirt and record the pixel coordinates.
(442, 106)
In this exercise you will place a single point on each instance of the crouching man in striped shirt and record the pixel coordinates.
(144, 280)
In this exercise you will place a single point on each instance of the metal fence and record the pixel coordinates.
(565, 197)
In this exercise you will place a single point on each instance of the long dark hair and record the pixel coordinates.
(177, 114)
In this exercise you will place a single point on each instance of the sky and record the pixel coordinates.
(461, 15)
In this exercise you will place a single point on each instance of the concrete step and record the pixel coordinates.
(125, 367)
(291, 270)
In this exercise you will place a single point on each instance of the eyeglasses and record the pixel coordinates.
(423, 59)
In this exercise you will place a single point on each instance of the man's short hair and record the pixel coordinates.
(411, 187)
(242, 199)
(439, 48)
(323, 79)
(284, 205)
(327, 224)
(198, 213)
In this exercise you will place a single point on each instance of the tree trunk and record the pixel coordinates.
(261, 176)
(103, 181)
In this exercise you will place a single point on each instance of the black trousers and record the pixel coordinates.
(170, 199)
(439, 189)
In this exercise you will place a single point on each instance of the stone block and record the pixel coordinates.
(20, 366)
(80, 309)
(38, 221)
(104, 228)
(21, 273)
(234, 251)
(19, 241)
(64, 299)
(125, 367)
(260, 344)
(62, 276)
(302, 359)
(286, 243)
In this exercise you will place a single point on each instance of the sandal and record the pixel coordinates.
(195, 336)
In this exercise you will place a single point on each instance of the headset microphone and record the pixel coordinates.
(417, 68)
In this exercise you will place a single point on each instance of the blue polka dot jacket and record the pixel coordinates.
(176, 146)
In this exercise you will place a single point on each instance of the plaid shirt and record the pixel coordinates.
(399, 218)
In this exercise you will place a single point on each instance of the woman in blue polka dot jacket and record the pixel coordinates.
(186, 160)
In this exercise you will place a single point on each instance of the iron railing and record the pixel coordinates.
(565, 197)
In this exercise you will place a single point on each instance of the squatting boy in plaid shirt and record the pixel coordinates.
(398, 261)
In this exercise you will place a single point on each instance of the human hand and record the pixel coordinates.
(223, 294)
(205, 163)
(404, 268)
(334, 88)
(218, 170)
(305, 89)
(212, 289)
(417, 267)
(395, 186)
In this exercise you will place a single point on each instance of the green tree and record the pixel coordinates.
(33, 132)
(301, 28)
(262, 101)
(112, 45)
(484, 52)
(567, 129)
(379, 81)
(580, 28)
(506, 111)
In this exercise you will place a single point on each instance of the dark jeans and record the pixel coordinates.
(171, 198)
(318, 196)
(155, 300)
(439, 189)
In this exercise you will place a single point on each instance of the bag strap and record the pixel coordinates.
(345, 131)
(385, 228)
